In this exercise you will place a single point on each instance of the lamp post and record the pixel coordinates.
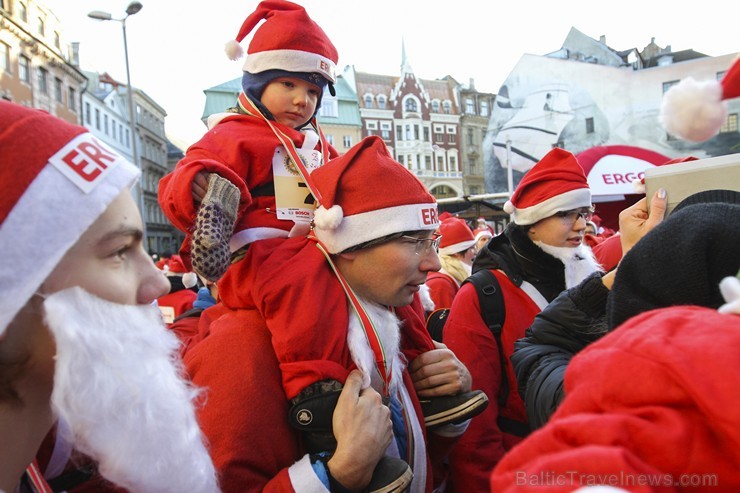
(133, 8)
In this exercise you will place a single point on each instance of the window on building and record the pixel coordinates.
(4, 57)
(24, 69)
(451, 138)
(329, 108)
(329, 138)
(347, 141)
(435, 106)
(41, 26)
(399, 132)
(484, 108)
(113, 129)
(57, 41)
(23, 11)
(472, 166)
(470, 136)
(428, 162)
(368, 101)
(409, 135)
(105, 124)
(469, 106)
(385, 130)
(589, 125)
(128, 138)
(87, 114)
(720, 75)
(416, 132)
(668, 85)
(440, 163)
(447, 107)
(71, 98)
(426, 134)
(43, 75)
(730, 124)
(58, 89)
(381, 102)
(97, 118)
(371, 125)
(411, 105)
(453, 163)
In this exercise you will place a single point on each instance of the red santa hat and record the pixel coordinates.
(695, 110)
(456, 236)
(57, 179)
(556, 183)
(175, 266)
(287, 40)
(367, 195)
(481, 233)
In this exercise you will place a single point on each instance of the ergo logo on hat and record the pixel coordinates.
(429, 216)
(85, 161)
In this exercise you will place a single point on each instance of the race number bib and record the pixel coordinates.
(293, 200)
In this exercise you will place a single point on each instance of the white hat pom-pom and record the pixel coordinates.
(509, 207)
(189, 279)
(328, 219)
(234, 50)
(693, 110)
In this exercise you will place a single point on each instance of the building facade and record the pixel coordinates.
(38, 68)
(419, 120)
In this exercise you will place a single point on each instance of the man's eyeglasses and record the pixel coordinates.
(585, 213)
(424, 246)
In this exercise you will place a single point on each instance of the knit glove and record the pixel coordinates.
(214, 224)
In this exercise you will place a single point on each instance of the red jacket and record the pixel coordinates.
(466, 334)
(240, 148)
(245, 413)
(656, 401)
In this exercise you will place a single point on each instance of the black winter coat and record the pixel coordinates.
(576, 318)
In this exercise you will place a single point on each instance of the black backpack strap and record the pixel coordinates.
(493, 311)
(436, 323)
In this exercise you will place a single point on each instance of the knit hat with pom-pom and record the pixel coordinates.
(367, 195)
(694, 110)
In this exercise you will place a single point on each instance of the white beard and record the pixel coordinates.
(389, 333)
(118, 388)
(579, 262)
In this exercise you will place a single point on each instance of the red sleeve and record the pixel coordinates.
(481, 447)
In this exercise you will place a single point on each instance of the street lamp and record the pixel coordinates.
(133, 8)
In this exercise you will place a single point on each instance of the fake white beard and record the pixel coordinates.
(118, 387)
(579, 261)
(389, 333)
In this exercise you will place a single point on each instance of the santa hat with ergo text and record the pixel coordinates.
(556, 183)
(367, 195)
(57, 179)
(456, 236)
(175, 266)
(287, 40)
(695, 110)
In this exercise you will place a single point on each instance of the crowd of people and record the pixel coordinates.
(288, 346)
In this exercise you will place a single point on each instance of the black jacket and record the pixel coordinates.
(576, 318)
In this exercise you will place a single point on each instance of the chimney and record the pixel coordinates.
(602, 39)
(75, 61)
(471, 85)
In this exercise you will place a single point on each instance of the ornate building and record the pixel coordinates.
(38, 68)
